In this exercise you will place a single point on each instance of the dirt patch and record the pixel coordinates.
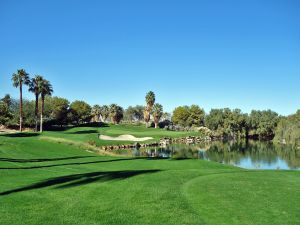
(4, 130)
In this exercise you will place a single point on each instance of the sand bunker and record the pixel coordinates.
(124, 138)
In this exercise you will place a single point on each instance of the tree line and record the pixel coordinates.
(221, 123)
(39, 86)
(59, 111)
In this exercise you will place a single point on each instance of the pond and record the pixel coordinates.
(247, 154)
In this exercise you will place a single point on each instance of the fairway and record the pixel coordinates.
(43, 182)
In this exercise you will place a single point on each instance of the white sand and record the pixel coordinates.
(124, 138)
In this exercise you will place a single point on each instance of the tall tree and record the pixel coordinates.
(80, 112)
(157, 113)
(96, 113)
(181, 115)
(116, 113)
(104, 113)
(150, 101)
(59, 110)
(35, 88)
(45, 89)
(19, 79)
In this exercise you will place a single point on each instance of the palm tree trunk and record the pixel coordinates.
(21, 107)
(36, 111)
(101, 119)
(42, 112)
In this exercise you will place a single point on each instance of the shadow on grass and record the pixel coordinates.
(42, 160)
(94, 124)
(84, 132)
(66, 128)
(81, 179)
(181, 158)
(20, 135)
(67, 164)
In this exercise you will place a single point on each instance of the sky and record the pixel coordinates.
(236, 54)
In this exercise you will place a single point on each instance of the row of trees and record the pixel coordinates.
(229, 123)
(224, 123)
(59, 111)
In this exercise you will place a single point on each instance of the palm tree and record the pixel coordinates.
(18, 79)
(104, 113)
(46, 89)
(157, 113)
(35, 88)
(96, 112)
(146, 116)
(116, 113)
(150, 100)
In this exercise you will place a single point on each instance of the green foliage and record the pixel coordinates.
(188, 116)
(196, 116)
(134, 113)
(262, 124)
(5, 112)
(116, 113)
(7, 100)
(227, 123)
(28, 113)
(56, 110)
(181, 115)
(80, 112)
(288, 130)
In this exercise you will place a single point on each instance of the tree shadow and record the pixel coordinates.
(66, 128)
(84, 132)
(20, 135)
(81, 179)
(94, 124)
(67, 164)
(181, 158)
(42, 160)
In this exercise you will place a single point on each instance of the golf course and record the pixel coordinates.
(51, 178)
(150, 112)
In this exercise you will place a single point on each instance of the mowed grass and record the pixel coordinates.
(86, 134)
(43, 182)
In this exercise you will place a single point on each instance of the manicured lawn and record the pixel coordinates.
(86, 134)
(43, 182)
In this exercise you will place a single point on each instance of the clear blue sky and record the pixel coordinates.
(237, 54)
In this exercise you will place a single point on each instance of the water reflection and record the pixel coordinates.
(247, 154)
